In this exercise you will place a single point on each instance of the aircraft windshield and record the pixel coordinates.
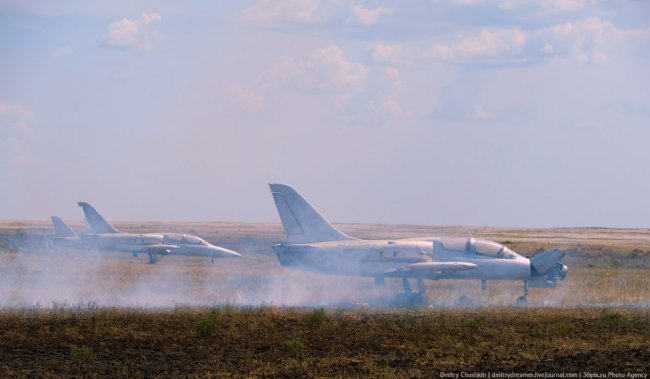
(455, 243)
(194, 240)
(186, 239)
(493, 249)
(487, 247)
(480, 247)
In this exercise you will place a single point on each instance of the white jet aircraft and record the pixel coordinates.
(313, 244)
(103, 236)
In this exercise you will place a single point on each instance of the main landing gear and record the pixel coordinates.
(152, 258)
(523, 300)
(408, 298)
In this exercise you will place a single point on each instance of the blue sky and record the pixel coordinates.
(504, 113)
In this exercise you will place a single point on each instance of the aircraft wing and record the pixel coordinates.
(158, 249)
(424, 268)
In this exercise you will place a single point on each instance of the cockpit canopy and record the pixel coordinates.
(187, 239)
(485, 248)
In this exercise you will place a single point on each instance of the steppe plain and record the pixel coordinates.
(98, 314)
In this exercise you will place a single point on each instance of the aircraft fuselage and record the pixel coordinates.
(135, 243)
(376, 257)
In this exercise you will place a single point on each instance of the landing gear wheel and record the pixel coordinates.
(523, 300)
(401, 299)
(409, 300)
(415, 300)
(152, 259)
(464, 301)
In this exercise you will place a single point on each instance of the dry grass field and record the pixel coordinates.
(285, 342)
(87, 313)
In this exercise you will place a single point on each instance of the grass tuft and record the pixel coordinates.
(317, 317)
(473, 324)
(612, 320)
(293, 348)
(80, 353)
(205, 328)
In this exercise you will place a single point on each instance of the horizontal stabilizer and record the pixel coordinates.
(61, 229)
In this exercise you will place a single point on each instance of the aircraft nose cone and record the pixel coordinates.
(225, 252)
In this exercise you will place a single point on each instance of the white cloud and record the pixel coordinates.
(465, 3)
(393, 74)
(369, 16)
(137, 34)
(62, 51)
(547, 48)
(508, 4)
(384, 109)
(14, 131)
(325, 70)
(392, 53)
(585, 40)
(545, 5)
(481, 113)
(488, 43)
(393, 107)
(565, 5)
(305, 12)
(243, 99)
(14, 111)
(274, 12)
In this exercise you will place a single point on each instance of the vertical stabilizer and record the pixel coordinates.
(302, 223)
(95, 221)
(61, 229)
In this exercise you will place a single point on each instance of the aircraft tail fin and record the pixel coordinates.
(95, 221)
(302, 222)
(61, 229)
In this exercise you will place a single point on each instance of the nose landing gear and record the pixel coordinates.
(406, 285)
